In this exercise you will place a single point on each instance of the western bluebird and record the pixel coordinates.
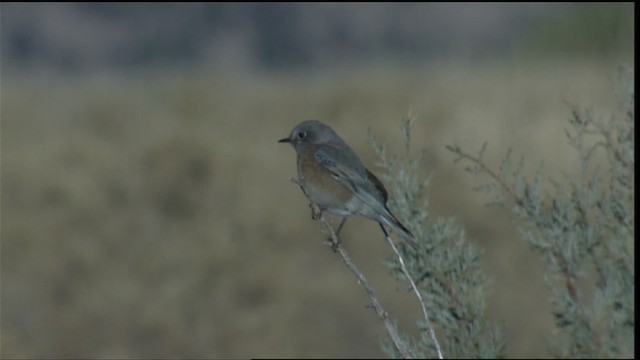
(333, 177)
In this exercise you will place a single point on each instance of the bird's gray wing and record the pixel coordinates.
(347, 169)
(345, 166)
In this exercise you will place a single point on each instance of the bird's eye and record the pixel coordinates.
(302, 135)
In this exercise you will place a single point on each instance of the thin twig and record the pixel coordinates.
(486, 169)
(420, 299)
(399, 344)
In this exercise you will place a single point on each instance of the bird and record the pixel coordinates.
(334, 178)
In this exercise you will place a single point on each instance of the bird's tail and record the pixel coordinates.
(391, 221)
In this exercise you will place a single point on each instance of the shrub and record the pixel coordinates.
(446, 267)
(583, 229)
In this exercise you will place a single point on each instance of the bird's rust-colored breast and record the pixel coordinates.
(322, 187)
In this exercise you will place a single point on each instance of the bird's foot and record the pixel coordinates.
(315, 211)
(334, 244)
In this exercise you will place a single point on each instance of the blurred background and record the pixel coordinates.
(146, 206)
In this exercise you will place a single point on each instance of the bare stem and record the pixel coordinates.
(399, 344)
(420, 299)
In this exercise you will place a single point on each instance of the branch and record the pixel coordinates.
(483, 167)
(415, 290)
(400, 345)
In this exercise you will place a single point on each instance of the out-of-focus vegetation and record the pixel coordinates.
(146, 207)
(582, 226)
(597, 29)
(73, 37)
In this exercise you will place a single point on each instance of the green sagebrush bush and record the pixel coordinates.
(583, 229)
(446, 267)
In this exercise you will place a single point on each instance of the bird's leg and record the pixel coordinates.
(344, 220)
(334, 245)
(315, 211)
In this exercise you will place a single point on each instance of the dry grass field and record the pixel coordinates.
(151, 215)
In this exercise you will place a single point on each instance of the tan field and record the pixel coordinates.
(153, 216)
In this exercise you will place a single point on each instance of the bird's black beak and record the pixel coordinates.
(285, 140)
